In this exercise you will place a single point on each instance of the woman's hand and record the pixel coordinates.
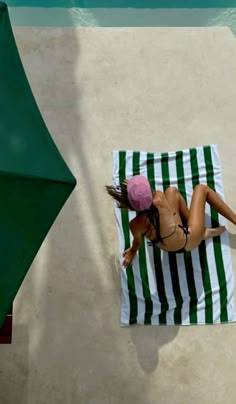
(128, 256)
(130, 252)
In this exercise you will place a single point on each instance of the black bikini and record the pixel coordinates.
(159, 239)
(186, 232)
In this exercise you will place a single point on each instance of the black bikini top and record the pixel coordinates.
(154, 220)
(153, 216)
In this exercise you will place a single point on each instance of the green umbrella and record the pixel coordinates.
(35, 182)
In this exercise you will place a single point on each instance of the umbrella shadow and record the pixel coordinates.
(148, 341)
(14, 372)
(73, 287)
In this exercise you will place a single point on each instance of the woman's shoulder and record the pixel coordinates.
(138, 222)
(158, 198)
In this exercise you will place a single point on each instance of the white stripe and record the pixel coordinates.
(189, 190)
(168, 288)
(135, 262)
(153, 285)
(115, 167)
(187, 176)
(159, 187)
(150, 259)
(179, 257)
(183, 288)
(228, 275)
(173, 182)
(125, 303)
(166, 269)
(143, 163)
(210, 257)
(157, 172)
(224, 238)
(215, 287)
(172, 169)
(129, 164)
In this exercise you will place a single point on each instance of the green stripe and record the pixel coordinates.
(156, 251)
(150, 170)
(125, 226)
(136, 163)
(165, 170)
(187, 259)
(171, 256)
(216, 240)
(145, 284)
(176, 288)
(191, 288)
(160, 285)
(142, 258)
(180, 174)
(187, 255)
(206, 283)
(202, 249)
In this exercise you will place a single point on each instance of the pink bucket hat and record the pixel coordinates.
(139, 192)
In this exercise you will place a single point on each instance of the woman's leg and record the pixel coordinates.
(177, 204)
(196, 222)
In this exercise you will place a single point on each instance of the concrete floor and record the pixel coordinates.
(101, 89)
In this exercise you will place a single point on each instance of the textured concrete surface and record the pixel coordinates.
(98, 90)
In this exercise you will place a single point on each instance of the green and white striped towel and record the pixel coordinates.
(196, 287)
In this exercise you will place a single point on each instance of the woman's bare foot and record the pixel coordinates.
(213, 232)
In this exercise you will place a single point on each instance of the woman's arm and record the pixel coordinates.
(130, 252)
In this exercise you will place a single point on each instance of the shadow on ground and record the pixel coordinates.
(74, 350)
(14, 369)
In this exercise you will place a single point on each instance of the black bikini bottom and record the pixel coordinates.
(182, 250)
(186, 232)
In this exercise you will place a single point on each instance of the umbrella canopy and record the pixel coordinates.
(35, 181)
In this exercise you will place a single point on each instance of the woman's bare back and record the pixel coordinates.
(174, 237)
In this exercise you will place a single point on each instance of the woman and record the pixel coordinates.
(164, 218)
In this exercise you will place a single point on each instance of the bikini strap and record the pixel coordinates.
(184, 228)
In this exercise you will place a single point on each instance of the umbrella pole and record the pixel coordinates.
(6, 329)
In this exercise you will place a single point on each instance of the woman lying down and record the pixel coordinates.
(164, 218)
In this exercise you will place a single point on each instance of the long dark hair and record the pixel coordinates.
(154, 219)
(120, 194)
